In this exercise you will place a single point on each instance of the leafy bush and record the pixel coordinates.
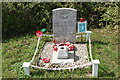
(26, 17)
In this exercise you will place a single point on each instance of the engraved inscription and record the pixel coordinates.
(64, 25)
(64, 15)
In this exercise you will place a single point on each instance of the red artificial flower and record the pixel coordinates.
(39, 33)
(54, 41)
(61, 44)
(46, 60)
(69, 45)
(82, 20)
(71, 48)
(55, 49)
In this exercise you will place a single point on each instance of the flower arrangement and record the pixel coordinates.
(69, 45)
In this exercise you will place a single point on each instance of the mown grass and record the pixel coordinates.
(18, 50)
(105, 48)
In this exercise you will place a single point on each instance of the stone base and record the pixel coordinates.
(62, 52)
(55, 60)
(80, 54)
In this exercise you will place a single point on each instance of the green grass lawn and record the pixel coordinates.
(18, 50)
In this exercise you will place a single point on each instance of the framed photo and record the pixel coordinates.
(82, 26)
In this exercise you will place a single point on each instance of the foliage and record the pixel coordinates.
(27, 17)
(110, 16)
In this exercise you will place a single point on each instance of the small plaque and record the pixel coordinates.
(82, 26)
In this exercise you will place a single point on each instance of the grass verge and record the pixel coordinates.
(18, 50)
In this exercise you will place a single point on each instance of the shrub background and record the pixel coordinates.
(26, 17)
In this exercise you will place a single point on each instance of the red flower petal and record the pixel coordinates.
(39, 33)
(82, 20)
(46, 60)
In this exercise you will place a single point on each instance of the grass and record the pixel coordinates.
(105, 48)
(18, 50)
